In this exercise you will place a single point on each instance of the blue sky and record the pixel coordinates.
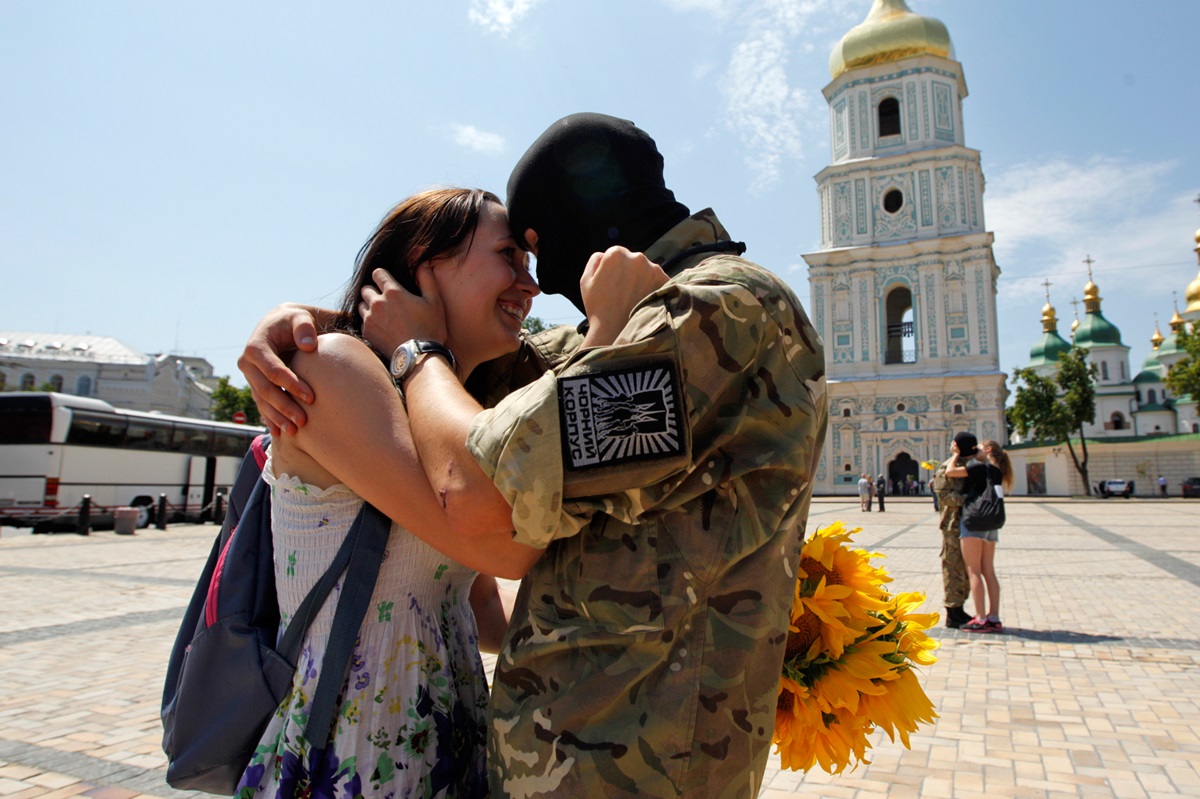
(171, 171)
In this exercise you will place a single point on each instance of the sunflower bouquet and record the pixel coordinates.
(930, 465)
(850, 652)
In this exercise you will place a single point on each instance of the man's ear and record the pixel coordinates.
(531, 241)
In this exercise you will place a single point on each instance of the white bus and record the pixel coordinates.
(56, 448)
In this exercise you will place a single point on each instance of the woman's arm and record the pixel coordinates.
(359, 433)
(492, 604)
(954, 468)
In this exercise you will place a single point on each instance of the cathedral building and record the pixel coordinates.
(903, 287)
(1141, 429)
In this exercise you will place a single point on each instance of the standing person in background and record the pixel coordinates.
(864, 492)
(948, 496)
(1162, 486)
(979, 547)
(880, 490)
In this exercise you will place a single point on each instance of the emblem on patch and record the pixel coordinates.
(624, 415)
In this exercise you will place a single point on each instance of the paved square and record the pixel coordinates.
(1093, 690)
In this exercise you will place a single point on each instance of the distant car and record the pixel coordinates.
(1112, 488)
(1191, 487)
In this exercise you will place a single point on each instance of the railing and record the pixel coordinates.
(900, 356)
(901, 330)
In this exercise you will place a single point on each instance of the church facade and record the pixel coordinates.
(903, 288)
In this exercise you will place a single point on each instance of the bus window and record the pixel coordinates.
(227, 442)
(193, 440)
(148, 434)
(96, 429)
(25, 420)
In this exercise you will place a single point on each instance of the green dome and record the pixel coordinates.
(1047, 349)
(1170, 346)
(1152, 370)
(1094, 330)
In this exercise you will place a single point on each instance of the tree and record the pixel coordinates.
(534, 325)
(1184, 376)
(1052, 409)
(227, 400)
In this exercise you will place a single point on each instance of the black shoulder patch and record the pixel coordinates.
(627, 414)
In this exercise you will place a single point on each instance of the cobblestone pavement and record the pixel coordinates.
(1093, 690)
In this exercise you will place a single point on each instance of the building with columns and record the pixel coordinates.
(903, 288)
(1142, 429)
(102, 367)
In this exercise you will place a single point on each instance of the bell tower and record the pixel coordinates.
(903, 288)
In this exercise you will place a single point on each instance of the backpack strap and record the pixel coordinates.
(360, 556)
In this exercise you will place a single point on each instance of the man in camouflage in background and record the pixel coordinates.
(667, 475)
(955, 582)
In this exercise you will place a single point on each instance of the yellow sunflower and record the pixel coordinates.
(848, 663)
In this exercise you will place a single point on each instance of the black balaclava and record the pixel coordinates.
(589, 182)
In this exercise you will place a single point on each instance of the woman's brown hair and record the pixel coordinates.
(999, 457)
(420, 228)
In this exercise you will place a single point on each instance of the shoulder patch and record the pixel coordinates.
(627, 414)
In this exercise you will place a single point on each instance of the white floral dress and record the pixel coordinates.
(411, 720)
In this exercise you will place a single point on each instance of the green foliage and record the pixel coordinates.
(534, 325)
(1052, 409)
(47, 386)
(1184, 376)
(227, 400)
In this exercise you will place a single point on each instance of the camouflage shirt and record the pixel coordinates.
(949, 491)
(668, 476)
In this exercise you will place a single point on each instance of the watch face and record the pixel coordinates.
(402, 361)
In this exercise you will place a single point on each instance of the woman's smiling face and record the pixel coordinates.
(486, 291)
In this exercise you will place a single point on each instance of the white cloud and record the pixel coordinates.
(499, 16)
(1049, 216)
(769, 116)
(478, 140)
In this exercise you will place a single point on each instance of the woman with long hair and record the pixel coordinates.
(979, 546)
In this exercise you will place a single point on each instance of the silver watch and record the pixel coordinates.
(408, 354)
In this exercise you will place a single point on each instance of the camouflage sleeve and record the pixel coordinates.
(949, 490)
(615, 431)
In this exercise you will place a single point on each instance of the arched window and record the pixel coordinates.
(889, 117)
(958, 410)
(1104, 370)
(901, 344)
(1151, 397)
(846, 468)
(845, 411)
(27, 381)
(1118, 421)
(83, 386)
(56, 383)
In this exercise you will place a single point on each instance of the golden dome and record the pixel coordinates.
(1176, 321)
(890, 32)
(1049, 319)
(1192, 293)
(1157, 338)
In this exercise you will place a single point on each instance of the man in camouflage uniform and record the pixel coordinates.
(667, 475)
(955, 582)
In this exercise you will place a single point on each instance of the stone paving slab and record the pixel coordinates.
(1093, 690)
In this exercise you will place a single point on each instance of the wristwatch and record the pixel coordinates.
(408, 355)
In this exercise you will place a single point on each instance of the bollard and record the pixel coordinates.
(84, 525)
(161, 521)
(219, 509)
